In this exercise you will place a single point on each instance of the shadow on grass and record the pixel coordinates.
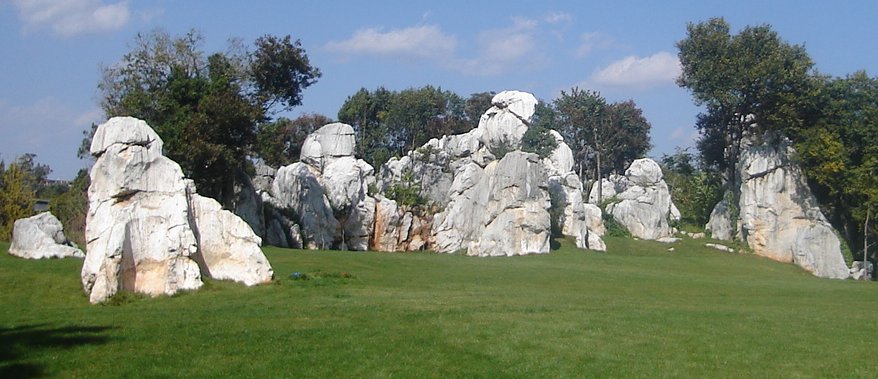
(18, 344)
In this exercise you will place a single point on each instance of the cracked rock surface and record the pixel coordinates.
(778, 216)
(140, 228)
(640, 200)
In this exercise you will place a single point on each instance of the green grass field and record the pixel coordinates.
(635, 311)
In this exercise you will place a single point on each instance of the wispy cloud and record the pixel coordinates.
(589, 42)
(68, 18)
(558, 17)
(497, 50)
(639, 73)
(423, 42)
(504, 49)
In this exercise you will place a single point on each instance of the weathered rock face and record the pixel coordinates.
(640, 200)
(515, 220)
(506, 122)
(571, 216)
(297, 188)
(332, 141)
(778, 216)
(41, 236)
(139, 229)
(491, 207)
(228, 249)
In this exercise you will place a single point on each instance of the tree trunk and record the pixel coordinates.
(600, 180)
(866, 244)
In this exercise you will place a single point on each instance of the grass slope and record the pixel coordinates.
(637, 310)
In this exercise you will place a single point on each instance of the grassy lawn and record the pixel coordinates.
(636, 311)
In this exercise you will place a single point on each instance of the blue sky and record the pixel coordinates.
(53, 51)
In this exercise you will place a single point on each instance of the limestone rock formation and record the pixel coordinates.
(41, 236)
(640, 200)
(778, 216)
(298, 189)
(332, 141)
(228, 249)
(476, 202)
(139, 228)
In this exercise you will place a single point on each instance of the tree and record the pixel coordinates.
(17, 198)
(71, 208)
(694, 190)
(609, 136)
(390, 123)
(749, 83)
(476, 105)
(281, 71)
(537, 139)
(838, 154)
(207, 110)
(279, 143)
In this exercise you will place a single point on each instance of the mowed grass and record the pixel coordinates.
(635, 311)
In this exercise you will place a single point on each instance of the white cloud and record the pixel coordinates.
(69, 18)
(635, 72)
(505, 49)
(420, 42)
(589, 42)
(558, 17)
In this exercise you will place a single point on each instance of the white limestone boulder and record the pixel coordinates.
(328, 143)
(297, 188)
(140, 226)
(228, 249)
(137, 227)
(504, 124)
(41, 236)
(779, 216)
(571, 216)
(641, 202)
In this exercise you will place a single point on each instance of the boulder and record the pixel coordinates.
(640, 201)
(140, 226)
(41, 236)
(778, 216)
(860, 271)
(228, 249)
(137, 227)
(571, 216)
(324, 145)
(504, 124)
(501, 210)
(297, 188)
(248, 204)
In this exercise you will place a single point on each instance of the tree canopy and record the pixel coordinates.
(748, 83)
(606, 136)
(207, 108)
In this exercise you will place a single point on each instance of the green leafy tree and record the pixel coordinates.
(693, 190)
(537, 139)
(17, 197)
(71, 207)
(603, 135)
(838, 154)
(390, 123)
(207, 108)
(279, 143)
(748, 83)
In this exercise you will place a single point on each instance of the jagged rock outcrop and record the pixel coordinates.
(139, 229)
(297, 188)
(41, 236)
(776, 213)
(640, 200)
(477, 202)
